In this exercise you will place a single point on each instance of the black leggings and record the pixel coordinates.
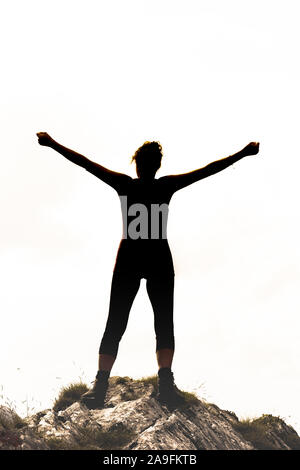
(123, 291)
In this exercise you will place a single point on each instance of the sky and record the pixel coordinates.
(204, 78)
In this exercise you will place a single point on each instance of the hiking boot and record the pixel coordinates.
(168, 393)
(95, 397)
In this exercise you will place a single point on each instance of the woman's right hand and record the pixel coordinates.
(44, 139)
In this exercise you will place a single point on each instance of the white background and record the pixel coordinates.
(204, 78)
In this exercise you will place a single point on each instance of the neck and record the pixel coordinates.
(146, 178)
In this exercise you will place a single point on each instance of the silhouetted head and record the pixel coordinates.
(148, 159)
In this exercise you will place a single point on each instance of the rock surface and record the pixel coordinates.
(133, 419)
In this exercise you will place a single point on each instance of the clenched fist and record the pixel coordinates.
(251, 149)
(44, 139)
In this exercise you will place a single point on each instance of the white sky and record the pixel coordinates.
(204, 78)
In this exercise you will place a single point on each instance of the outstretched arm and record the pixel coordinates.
(183, 180)
(110, 177)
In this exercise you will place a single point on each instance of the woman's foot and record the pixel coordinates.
(95, 397)
(168, 393)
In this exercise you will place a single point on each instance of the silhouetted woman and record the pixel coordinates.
(143, 253)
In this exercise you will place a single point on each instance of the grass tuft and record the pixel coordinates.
(190, 398)
(152, 380)
(256, 432)
(69, 395)
(91, 438)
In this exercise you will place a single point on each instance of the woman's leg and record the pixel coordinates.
(123, 291)
(161, 293)
(124, 288)
(105, 362)
(164, 357)
(160, 290)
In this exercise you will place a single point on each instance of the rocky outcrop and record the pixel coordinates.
(133, 419)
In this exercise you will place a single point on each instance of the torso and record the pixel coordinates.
(144, 248)
(145, 206)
